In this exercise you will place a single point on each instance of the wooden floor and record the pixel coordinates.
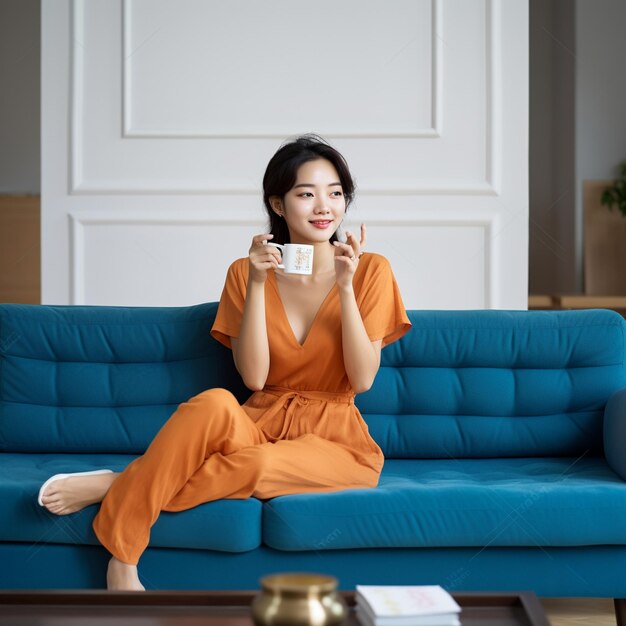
(579, 611)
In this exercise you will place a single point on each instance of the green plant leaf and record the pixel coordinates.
(616, 193)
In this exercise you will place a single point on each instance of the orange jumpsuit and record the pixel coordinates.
(301, 433)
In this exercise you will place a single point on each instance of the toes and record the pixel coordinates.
(59, 509)
(51, 490)
(54, 505)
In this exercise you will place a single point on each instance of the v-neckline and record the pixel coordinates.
(286, 318)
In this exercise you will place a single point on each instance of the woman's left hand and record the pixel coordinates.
(347, 257)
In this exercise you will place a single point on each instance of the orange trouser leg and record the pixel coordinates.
(210, 425)
(211, 449)
(303, 465)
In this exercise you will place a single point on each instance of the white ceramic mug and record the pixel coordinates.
(297, 257)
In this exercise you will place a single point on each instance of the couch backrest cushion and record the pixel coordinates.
(481, 383)
(489, 383)
(103, 378)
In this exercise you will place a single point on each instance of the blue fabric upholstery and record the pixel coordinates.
(503, 434)
(459, 502)
(103, 379)
(223, 525)
(497, 383)
(615, 432)
(589, 571)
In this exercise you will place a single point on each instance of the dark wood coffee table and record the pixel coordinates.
(231, 608)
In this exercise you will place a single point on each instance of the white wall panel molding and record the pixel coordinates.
(190, 145)
(76, 102)
(483, 252)
(399, 188)
(148, 205)
(494, 102)
(82, 222)
(280, 130)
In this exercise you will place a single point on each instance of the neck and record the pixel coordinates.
(323, 258)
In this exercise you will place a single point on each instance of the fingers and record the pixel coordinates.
(345, 248)
(266, 256)
(352, 239)
(259, 239)
(353, 247)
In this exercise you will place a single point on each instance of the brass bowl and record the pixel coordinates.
(298, 599)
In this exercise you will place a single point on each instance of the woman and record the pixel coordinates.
(306, 344)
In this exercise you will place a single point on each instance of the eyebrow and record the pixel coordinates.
(310, 185)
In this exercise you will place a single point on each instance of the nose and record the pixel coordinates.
(321, 205)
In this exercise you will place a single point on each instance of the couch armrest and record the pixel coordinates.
(615, 432)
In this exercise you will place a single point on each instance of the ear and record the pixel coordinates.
(276, 204)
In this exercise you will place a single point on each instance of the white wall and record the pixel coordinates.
(19, 96)
(553, 225)
(159, 119)
(600, 97)
(577, 131)
(601, 88)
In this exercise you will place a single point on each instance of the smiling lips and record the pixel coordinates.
(321, 223)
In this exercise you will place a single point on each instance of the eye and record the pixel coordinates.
(308, 193)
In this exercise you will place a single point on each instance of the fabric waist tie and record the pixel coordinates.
(346, 397)
(292, 398)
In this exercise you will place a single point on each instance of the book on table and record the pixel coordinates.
(402, 605)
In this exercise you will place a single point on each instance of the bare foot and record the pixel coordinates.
(71, 494)
(123, 577)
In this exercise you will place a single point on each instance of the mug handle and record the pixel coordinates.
(277, 245)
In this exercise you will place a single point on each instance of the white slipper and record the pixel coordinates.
(60, 476)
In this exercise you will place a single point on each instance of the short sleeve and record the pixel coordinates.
(380, 303)
(230, 309)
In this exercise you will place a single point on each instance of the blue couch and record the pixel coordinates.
(503, 432)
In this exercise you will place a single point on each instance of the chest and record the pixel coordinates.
(302, 303)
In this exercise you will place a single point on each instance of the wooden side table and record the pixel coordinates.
(577, 301)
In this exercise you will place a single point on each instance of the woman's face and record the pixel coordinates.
(316, 195)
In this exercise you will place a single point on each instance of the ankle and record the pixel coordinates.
(123, 576)
(115, 563)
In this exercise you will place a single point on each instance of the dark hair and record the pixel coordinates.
(282, 170)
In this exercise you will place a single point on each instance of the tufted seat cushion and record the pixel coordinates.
(223, 525)
(568, 501)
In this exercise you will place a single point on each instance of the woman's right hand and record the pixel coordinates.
(262, 258)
